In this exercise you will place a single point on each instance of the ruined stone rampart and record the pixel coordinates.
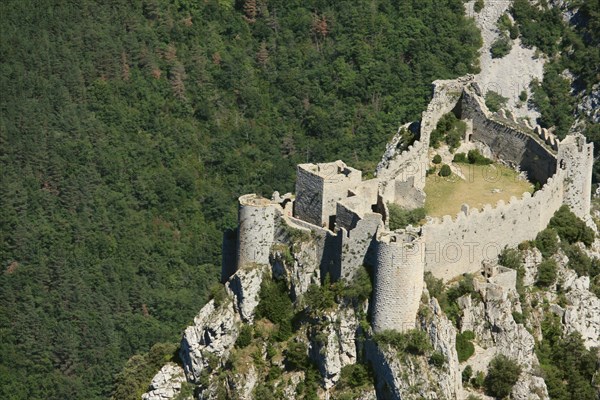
(398, 282)
(357, 245)
(509, 142)
(577, 159)
(454, 246)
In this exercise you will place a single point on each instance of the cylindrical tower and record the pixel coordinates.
(256, 230)
(398, 281)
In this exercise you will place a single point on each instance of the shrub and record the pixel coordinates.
(354, 376)
(276, 306)
(511, 258)
(523, 95)
(320, 297)
(579, 261)
(437, 359)
(437, 159)
(401, 217)
(414, 341)
(475, 157)
(460, 158)
(494, 101)
(501, 47)
(478, 6)
(445, 170)
(467, 374)
(217, 293)
(296, 358)
(449, 129)
(361, 286)
(478, 380)
(546, 273)
(570, 228)
(464, 347)
(547, 242)
(518, 317)
(245, 337)
(502, 375)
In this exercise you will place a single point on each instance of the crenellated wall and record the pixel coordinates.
(454, 246)
(398, 283)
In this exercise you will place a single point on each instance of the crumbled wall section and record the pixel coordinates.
(398, 282)
(508, 141)
(256, 230)
(577, 159)
(357, 245)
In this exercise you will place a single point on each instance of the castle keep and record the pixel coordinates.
(347, 217)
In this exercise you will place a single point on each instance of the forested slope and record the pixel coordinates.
(127, 130)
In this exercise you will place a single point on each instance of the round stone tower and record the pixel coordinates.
(398, 282)
(256, 230)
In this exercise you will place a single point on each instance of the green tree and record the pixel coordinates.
(502, 375)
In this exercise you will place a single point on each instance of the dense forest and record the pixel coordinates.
(128, 129)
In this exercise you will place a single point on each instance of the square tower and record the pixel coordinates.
(318, 189)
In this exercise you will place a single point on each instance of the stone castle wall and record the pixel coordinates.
(577, 159)
(398, 283)
(509, 142)
(454, 246)
(256, 230)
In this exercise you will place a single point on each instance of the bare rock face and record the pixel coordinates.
(511, 74)
(334, 346)
(216, 327)
(497, 332)
(532, 259)
(412, 377)
(590, 105)
(443, 338)
(166, 384)
(583, 312)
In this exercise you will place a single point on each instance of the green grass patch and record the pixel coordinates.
(482, 184)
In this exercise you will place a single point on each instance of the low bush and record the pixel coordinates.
(401, 217)
(547, 242)
(414, 341)
(354, 376)
(464, 347)
(467, 374)
(437, 159)
(546, 273)
(437, 359)
(579, 261)
(494, 101)
(275, 305)
(502, 375)
(570, 228)
(475, 157)
(245, 337)
(460, 158)
(445, 170)
(501, 47)
(478, 6)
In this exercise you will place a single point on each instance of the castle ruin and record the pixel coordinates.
(347, 217)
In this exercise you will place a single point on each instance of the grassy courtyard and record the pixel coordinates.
(482, 184)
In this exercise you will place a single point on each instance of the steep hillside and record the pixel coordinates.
(128, 129)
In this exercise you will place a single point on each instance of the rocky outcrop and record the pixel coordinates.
(207, 343)
(405, 376)
(511, 74)
(167, 384)
(333, 344)
(497, 333)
